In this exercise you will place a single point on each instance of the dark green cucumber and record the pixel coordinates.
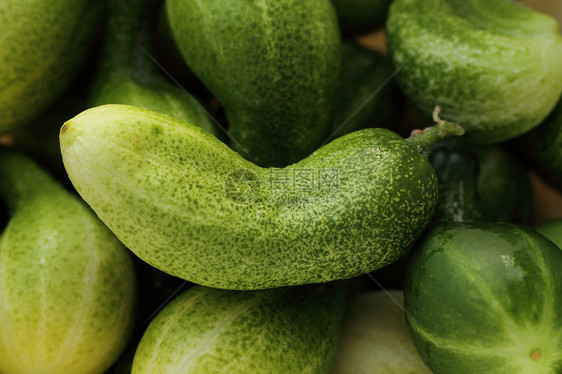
(486, 298)
(552, 230)
(129, 75)
(204, 330)
(542, 147)
(67, 285)
(492, 65)
(480, 184)
(358, 17)
(187, 204)
(43, 45)
(272, 64)
(366, 96)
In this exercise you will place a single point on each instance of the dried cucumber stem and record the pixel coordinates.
(424, 139)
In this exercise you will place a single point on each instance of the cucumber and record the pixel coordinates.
(209, 331)
(67, 285)
(375, 338)
(358, 17)
(480, 184)
(128, 74)
(541, 148)
(190, 206)
(492, 65)
(272, 64)
(365, 96)
(552, 230)
(486, 298)
(43, 45)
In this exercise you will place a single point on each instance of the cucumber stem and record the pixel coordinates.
(424, 139)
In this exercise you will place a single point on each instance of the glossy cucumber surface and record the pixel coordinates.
(187, 204)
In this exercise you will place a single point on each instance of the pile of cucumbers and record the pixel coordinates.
(239, 186)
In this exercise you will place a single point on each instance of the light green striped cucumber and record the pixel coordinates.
(187, 204)
(41, 47)
(67, 285)
(128, 75)
(486, 298)
(375, 338)
(492, 65)
(272, 64)
(210, 331)
(552, 230)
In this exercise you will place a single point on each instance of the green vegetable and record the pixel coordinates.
(128, 74)
(208, 331)
(43, 44)
(190, 206)
(272, 64)
(358, 17)
(67, 285)
(366, 96)
(375, 338)
(552, 230)
(541, 148)
(486, 298)
(492, 65)
(480, 184)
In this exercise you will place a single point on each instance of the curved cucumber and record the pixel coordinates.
(358, 17)
(486, 298)
(480, 184)
(492, 65)
(67, 285)
(273, 65)
(209, 331)
(541, 148)
(187, 204)
(365, 97)
(375, 338)
(43, 43)
(552, 230)
(128, 75)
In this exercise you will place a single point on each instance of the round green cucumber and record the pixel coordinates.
(365, 96)
(187, 204)
(541, 148)
(272, 64)
(480, 184)
(67, 285)
(43, 43)
(486, 298)
(375, 338)
(210, 331)
(128, 74)
(492, 65)
(358, 17)
(552, 230)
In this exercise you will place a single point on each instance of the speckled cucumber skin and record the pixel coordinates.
(542, 148)
(273, 65)
(492, 65)
(210, 331)
(67, 285)
(375, 338)
(128, 75)
(358, 17)
(43, 43)
(486, 298)
(552, 230)
(187, 204)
